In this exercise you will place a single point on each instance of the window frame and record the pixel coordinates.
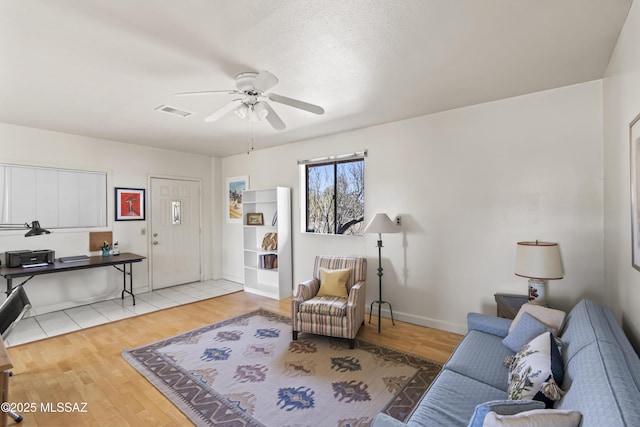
(333, 161)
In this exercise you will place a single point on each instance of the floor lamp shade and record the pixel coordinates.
(381, 223)
(538, 261)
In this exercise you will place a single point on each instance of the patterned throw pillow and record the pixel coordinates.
(334, 282)
(527, 329)
(536, 371)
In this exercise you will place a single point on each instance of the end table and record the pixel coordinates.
(509, 304)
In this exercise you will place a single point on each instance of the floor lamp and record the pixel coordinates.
(380, 224)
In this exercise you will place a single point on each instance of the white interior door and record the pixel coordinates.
(175, 232)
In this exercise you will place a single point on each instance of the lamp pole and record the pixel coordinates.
(380, 301)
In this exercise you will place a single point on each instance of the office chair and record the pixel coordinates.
(12, 311)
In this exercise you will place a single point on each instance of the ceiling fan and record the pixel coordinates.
(251, 87)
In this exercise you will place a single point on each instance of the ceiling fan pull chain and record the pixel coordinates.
(250, 146)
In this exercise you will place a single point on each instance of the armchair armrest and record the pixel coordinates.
(357, 295)
(490, 324)
(307, 289)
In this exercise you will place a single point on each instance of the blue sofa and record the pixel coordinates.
(601, 373)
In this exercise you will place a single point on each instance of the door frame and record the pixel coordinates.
(149, 232)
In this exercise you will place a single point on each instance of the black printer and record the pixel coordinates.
(27, 258)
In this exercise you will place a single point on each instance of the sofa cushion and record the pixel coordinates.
(536, 417)
(599, 382)
(481, 356)
(549, 316)
(588, 322)
(536, 371)
(325, 306)
(333, 282)
(451, 400)
(502, 407)
(527, 329)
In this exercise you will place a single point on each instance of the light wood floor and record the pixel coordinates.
(87, 366)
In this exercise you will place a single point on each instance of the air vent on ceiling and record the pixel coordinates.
(174, 111)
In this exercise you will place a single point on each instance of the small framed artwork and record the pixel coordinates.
(255, 219)
(634, 145)
(129, 204)
(235, 188)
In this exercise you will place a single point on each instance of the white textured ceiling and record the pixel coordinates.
(100, 67)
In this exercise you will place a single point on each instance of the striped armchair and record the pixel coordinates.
(330, 315)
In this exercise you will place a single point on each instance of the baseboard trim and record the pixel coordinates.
(429, 322)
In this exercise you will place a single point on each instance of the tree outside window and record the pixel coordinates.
(335, 197)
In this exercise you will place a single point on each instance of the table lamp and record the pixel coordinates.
(539, 261)
(34, 229)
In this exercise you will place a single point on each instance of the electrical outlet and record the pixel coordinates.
(143, 231)
(398, 221)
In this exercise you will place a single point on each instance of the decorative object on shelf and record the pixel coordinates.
(268, 261)
(380, 224)
(235, 187)
(539, 261)
(270, 242)
(274, 221)
(255, 219)
(34, 228)
(114, 249)
(129, 204)
(634, 142)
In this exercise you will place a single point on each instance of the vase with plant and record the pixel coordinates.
(105, 248)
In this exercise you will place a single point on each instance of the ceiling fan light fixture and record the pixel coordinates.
(242, 110)
(252, 86)
(261, 110)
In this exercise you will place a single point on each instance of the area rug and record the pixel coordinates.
(247, 371)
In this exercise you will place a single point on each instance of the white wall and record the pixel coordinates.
(621, 105)
(127, 166)
(468, 183)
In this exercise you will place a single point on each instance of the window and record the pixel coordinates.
(57, 198)
(334, 195)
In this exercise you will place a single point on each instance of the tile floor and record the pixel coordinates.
(32, 328)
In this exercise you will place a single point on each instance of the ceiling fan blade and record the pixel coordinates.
(223, 110)
(264, 81)
(206, 92)
(316, 109)
(273, 119)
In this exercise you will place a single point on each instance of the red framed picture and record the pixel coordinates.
(129, 204)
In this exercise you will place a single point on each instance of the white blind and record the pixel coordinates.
(337, 158)
(58, 198)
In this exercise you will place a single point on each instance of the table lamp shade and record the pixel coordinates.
(381, 223)
(538, 260)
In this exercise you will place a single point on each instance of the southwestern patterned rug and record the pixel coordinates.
(246, 371)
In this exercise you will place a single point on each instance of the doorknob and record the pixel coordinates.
(155, 234)
(155, 242)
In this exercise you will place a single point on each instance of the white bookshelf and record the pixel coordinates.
(275, 282)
